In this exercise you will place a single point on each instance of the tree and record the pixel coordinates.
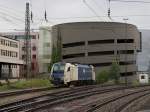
(102, 76)
(56, 54)
(115, 71)
(56, 50)
(148, 70)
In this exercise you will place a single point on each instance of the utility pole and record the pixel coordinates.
(27, 41)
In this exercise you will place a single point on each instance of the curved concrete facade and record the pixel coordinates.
(99, 43)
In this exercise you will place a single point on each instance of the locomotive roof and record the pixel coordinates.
(78, 64)
(84, 66)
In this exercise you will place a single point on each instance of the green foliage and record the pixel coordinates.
(56, 49)
(102, 77)
(115, 71)
(56, 55)
(135, 82)
(24, 84)
(148, 70)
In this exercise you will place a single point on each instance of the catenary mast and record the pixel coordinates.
(27, 41)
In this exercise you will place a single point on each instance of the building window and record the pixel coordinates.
(100, 64)
(142, 77)
(33, 36)
(23, 48)
(23, 57)
(34, 56)
(100, 53)
(3, 52)
(125, 52)
(125, 41)
(109, 41)
(2, 41)
(34, 48)
(33, 67)
(127, 73)
(73, 55)
(75, 44)
(127, 63)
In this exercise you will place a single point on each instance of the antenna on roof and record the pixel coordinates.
(45, 15)
(109, 11)
(31, 16)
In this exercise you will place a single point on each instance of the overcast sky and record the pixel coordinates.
(60, 11)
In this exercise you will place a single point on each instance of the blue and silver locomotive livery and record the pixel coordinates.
(72, 74)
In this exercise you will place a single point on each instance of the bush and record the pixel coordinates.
(102, 77)
(115, 72)
(135, 82)
(25, 84)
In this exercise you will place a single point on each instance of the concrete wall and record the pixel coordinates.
(99, 43)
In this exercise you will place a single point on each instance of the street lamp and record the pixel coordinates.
(125, 20)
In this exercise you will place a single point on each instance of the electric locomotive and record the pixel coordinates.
(72, 74)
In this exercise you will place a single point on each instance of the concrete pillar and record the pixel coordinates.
(86, 50)
(116, 48)
(0, 70)
(9, 69)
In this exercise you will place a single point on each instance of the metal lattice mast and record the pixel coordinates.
(27, 41)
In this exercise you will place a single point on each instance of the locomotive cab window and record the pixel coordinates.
(58, 68)
(142, 77)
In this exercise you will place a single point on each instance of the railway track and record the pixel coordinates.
(125, 105)
(19, 92)
(50, 99)
(122, 102)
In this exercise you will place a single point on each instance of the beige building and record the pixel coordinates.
(20, 36)
(99, 43)
(9, 58)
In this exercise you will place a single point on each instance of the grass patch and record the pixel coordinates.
(25, 84)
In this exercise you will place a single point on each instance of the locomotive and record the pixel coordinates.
(72, 74)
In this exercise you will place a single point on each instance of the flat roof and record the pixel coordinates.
(8, 38)
(11, 61)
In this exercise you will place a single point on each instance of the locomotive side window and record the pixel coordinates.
(68, 69)
(142, 77)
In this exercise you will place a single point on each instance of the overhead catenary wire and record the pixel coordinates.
(79, 17)
(11, 15)
(97, 4)
(111, 27)
(131, 1)
(11, 12)
(100, 7)
(11, 9)
(93, 11)
(10, 21)
(18, 14)
(15, 18)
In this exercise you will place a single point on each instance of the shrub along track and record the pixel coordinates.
(49, 99)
